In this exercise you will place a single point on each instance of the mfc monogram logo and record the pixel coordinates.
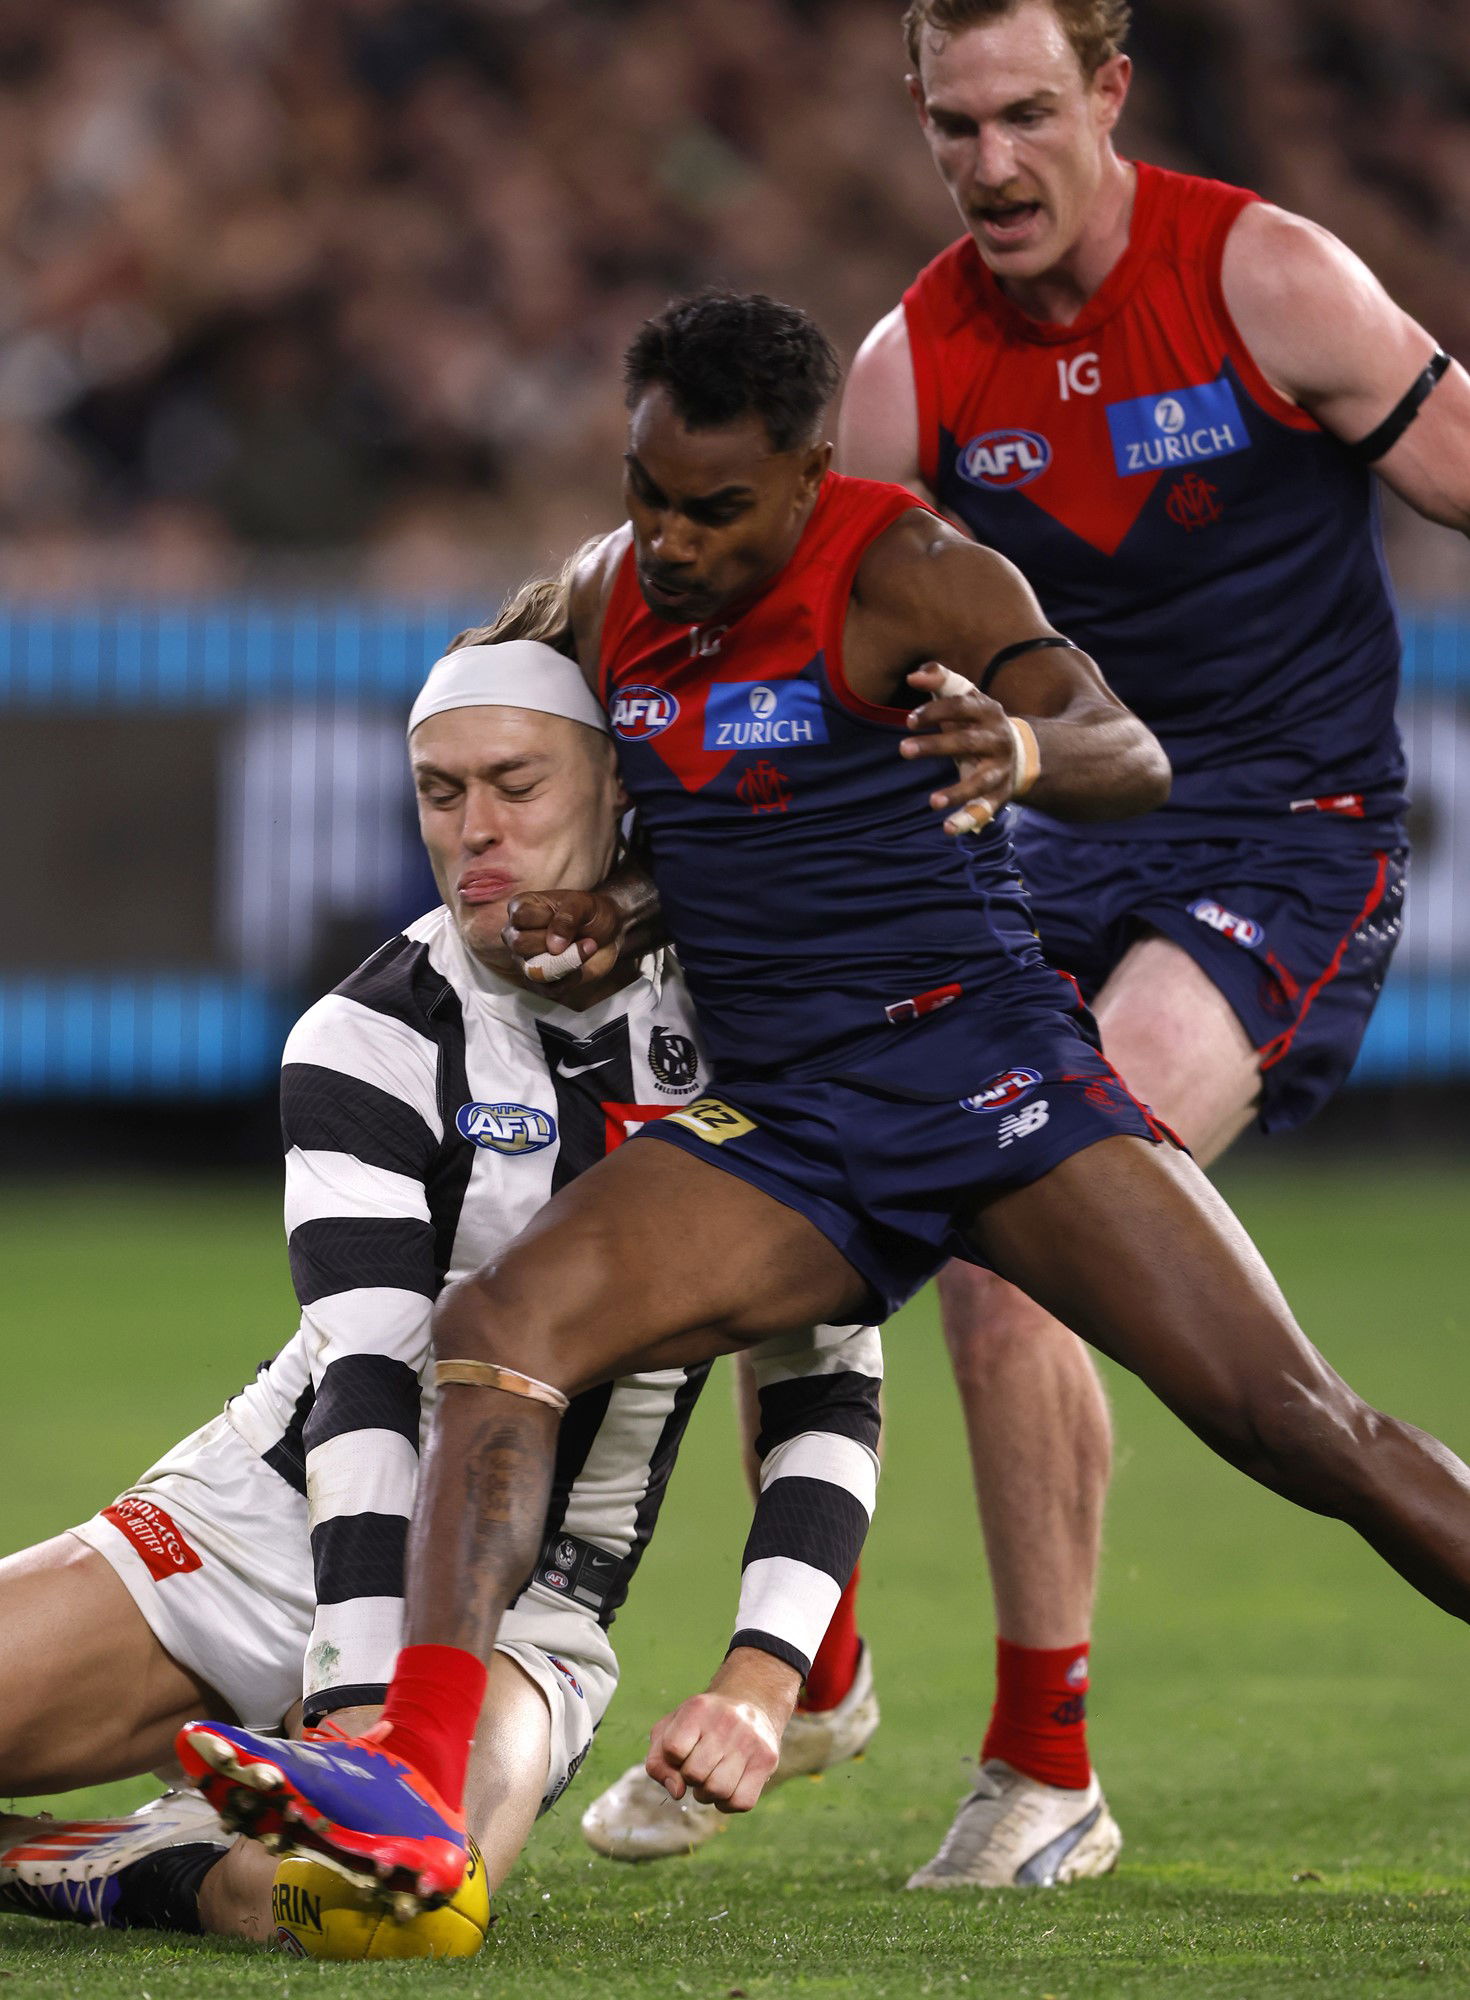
(1193, 503)
(764, 789)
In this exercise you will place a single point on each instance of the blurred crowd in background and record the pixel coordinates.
(331, 293)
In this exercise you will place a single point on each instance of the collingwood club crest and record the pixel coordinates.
(674, 1060)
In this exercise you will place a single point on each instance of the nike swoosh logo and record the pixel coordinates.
(582, 1068)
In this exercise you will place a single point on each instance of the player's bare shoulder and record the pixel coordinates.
(594, 571)
(1313, 317)
(907, 570)
(925, 591)
(878, 426)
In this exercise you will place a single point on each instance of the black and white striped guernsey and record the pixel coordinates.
(429, 1108)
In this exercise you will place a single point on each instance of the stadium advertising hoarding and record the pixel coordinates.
(206, 819)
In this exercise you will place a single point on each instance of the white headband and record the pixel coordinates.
(520, 673)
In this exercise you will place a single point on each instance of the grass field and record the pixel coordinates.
(1280, 1723)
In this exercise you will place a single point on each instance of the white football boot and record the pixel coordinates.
(1014, 1832)
(636, 1820)
(69, 1868)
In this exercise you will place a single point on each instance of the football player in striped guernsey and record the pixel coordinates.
(430, 1106)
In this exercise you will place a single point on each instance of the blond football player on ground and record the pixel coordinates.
(430, 1106)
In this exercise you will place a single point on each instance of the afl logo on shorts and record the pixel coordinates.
(506, 1128)
(1240, 930)
(640, 712)
(568, 1676)
(1002, 1091)
(1000, 459)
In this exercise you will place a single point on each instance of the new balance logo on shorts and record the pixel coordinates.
(1021, 1124)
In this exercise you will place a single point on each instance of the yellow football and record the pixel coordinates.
(320, 1914)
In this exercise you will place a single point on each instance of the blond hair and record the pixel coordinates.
(540, 608)
(1095, 28)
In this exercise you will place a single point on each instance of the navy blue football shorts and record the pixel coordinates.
(1296, 934)
(889, 1153)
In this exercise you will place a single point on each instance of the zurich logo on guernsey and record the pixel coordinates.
(1178, 428)
(748, 715)
(640, 712)
(1004, 458)
(506, 1128)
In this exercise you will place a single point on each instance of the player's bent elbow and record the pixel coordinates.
(1155, 774)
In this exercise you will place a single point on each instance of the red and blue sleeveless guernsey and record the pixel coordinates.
(810, 888)
(1212, 547)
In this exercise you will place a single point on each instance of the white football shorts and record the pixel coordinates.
(213, 1547)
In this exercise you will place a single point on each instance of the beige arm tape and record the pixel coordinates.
(1025, 770)
(490, 1375)
(1027, 767)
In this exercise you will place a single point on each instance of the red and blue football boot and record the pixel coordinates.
(345, 1799)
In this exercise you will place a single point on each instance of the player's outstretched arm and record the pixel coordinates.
(818, 1450)
(358, 1090)
(925, 593)
(1326, 335)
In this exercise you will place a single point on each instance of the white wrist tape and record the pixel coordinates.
(549, 966)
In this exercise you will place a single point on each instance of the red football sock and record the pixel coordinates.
(1039, 1722)
(835, 1666)
(432, 1708)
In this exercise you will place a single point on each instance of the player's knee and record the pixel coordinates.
(523, 1310)
(1312, 1441)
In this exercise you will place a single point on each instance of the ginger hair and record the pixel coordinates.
(1095, 28)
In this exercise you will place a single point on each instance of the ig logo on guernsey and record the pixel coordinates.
(506, 1128)
(1002, 459)
(640, 712)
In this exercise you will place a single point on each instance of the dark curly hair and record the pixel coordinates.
(725, 355)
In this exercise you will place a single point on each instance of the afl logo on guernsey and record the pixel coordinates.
(1002, 1091)
(1004, 458)
(506, 1128)
(641, 712)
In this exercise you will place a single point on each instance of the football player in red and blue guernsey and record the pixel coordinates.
(1167, 402)
(899, 1075)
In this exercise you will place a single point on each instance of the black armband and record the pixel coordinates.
(1008, 653)
(1403, 413)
